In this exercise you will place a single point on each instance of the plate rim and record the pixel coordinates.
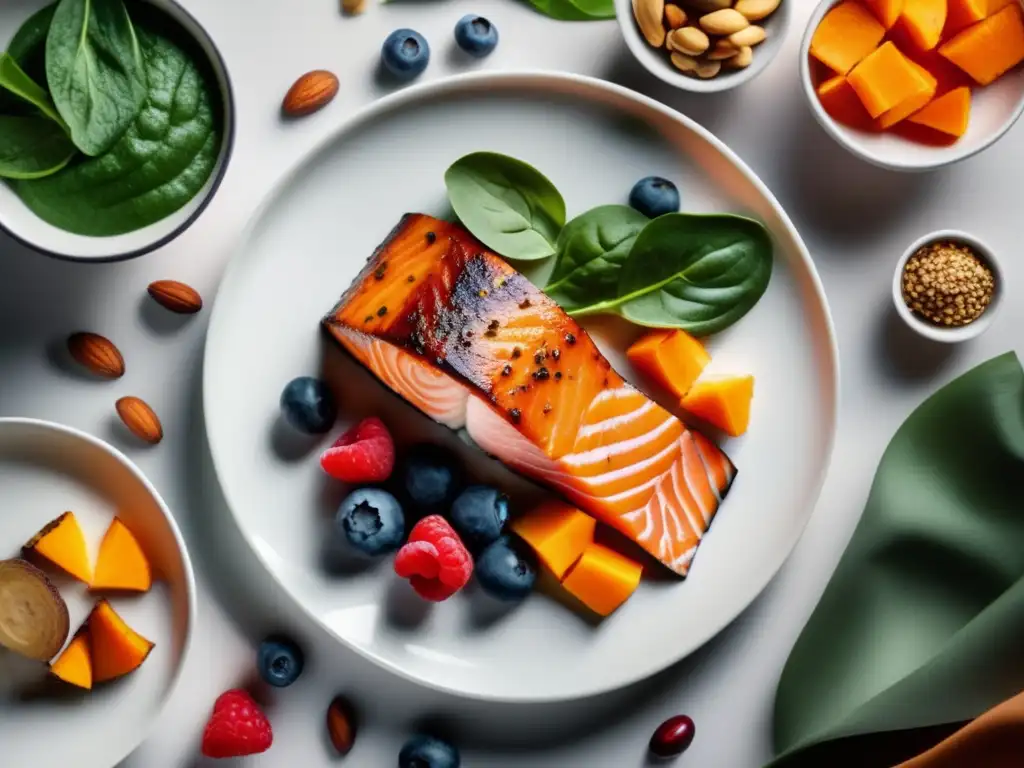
(188, 645)
(589, 88)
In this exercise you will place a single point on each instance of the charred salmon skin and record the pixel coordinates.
(473, 344)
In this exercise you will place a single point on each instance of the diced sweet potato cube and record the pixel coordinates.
(723, 401)
(557, 532)
(989, 48)
(923, 21)
(949, 113)
(117, 649)
(74, 665)
(884, 79)
(947, 75)
(674, 359)
(62, 543)
(842, 103)
(603, 579)
(960, 14)
(886, 11)
(912, 103)
(847, 34)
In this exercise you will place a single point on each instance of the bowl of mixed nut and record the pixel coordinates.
(704, 45)
(948, 286)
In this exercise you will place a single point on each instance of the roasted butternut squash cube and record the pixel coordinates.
(557, 532)
(603, 579)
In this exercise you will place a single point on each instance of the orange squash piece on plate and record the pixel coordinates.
(74, 665)
(949, 114)
(960, 14)
(846, 34)
(61, 542)
(923, 21)
(557, 532)
(989, 48)
(117, 649)
(122, 564)
(842, 103)
(674, 359)
(602, 579)
(885, 79)
(886, 11)
(912, 103)
(723, 401)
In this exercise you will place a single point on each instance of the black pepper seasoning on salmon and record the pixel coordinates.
(539, 356)
(515, 414)
(368, 319)
(516, 352)
(570, 339)
(410, 279)
(382, 311)
(556, 353)
(547, 408)
(541, 374)
(379, 274)
(507, 370)
(558, 375)
(431, 237)
(524, 304)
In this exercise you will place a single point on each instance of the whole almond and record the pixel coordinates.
(310, 92)
(752, 35)
(684, 63)
(353, 7)
(649, 15)
(675, 16)
(140, 419)
(96, 353)
(341, 725)
(742, 59)
(708, 69)
(755, 10)
(723, 22)
(722, 49)
(175, 296)
(689, 40)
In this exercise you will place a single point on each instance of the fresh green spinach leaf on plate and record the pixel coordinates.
(32, 147)
(697, 272)
(95, 70)
(575, 10)
(14, 80)
(591, 251)
(508, 205)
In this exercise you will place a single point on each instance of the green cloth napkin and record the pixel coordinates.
(923, 621)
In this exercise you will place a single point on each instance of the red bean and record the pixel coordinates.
(672, 737)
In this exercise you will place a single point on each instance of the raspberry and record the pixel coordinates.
(237, 727)
(434, 560)
(364, 454)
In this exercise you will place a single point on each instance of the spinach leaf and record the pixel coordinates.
(32, 147)
(575, 10)
(14, 80)
(510, 206)
(95, 70)
(160, 163)
(591, 251)
(700, 273)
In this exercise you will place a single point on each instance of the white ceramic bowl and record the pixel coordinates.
(24, 225)
(935, 332)
(656, 61)
(46, 469)
(994, 109)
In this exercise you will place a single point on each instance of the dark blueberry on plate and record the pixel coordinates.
(430, 478)
(405, 53)
(428, 752)
(279, 661)
(478, 515)
(506, 571)
(308, 405)
(654, 196)
(476, 35)
(372, 521)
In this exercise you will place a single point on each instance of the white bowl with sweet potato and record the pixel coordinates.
(914, 85)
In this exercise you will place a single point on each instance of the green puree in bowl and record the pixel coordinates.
(163, 159)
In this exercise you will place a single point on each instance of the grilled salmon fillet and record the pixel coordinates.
(473, 344)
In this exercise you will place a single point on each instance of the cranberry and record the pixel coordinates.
(673, 737)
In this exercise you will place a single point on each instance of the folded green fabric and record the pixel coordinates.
(923, 621)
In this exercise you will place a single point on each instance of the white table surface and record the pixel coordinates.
(855, 219)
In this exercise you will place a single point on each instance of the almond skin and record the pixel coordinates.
(341, 725)
(96, 353)
(177, 297)
(140, 419)
(310, 92)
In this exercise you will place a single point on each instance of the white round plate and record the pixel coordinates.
(47, 469)
(311, 237)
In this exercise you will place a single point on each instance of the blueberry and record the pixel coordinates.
(478, 515)
(506, 571)
(654, 196)
(308, 405)
(427, 752)
(279, 661)
(371, 520)
(430, 478)
(476, 35)
(405, 53)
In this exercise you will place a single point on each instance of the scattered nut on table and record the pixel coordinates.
(704, 38)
